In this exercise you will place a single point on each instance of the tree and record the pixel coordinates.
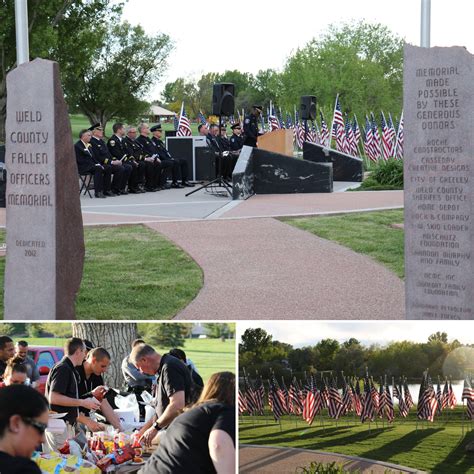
(61, 30)
(255, 341)
(122, 71)
(438, 337)
(168, 335)
(116, 339)
(362, 62)
(217, 330)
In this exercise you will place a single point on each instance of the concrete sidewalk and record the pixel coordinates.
(266, 269)
(255, 459)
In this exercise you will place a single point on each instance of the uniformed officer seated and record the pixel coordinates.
(150, 156)
(236, 142)
(251, 126)
(179, 166)
(116, 146)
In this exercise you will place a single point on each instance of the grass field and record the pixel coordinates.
(131, 272)
(368, 233)
(209, 355)
(79, 122)
(437, 447)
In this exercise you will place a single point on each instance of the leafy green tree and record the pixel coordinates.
(255, 341)
(438, 336)
(61, 30)
(167, 335)
(327, 349)
(362, 62)
(121, 73)
(217, 330)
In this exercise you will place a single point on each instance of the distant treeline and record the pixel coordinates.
(259, 352)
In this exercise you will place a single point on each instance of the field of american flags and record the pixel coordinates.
(390, 432)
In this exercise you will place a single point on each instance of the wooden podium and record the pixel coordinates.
(278, 141)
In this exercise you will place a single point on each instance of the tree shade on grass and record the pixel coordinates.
(369, 233)
(437, 447)
(131, 272)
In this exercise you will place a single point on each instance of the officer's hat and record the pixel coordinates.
(236, 125)
(155, 128)
(96, 126)
(258, 107)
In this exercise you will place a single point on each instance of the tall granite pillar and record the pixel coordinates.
(439, 186)
(45, 240)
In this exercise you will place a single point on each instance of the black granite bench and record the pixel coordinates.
(263, 172)
(345, 167)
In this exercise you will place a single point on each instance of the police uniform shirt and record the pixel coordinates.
(63, 379)
(236, 142)
(162, 151)
(101, 151)
(251, 126)
(132, 148)
(147, 145)
(116, 148)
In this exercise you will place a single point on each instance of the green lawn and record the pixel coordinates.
(437, 447)
(79, 122)
(209, 355)
(365, 232)
(131, 272)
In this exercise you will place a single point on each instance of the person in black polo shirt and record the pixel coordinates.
(62, 392)
(23, 420)
(202, 439)
(173, 389)
(7, 351)
(91, 384)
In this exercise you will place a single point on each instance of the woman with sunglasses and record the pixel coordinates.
(23, 421)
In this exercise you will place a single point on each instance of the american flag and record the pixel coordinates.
(375, 138)
(351, 145)
(201, 118)
(184, 127)
(439, 398)
(468, 395)
(259, 395)
(335, 400)
(408, 398)
(368, 148)
(298, 131)
(284, 395)
(294, 398)
(368, 410)
(175, 122)
(251, 403)
(399, 140)
(392, 132)
(445, 397)
(403, 408)
(347, 403)
(452, 398)
(289, 121)
(356, 130)
(273, 123)
(309, 409)
(341, 142)
(357, 398)
(280, 119)
(427, 402)
(242, 403)
(274, 401)
(325, 138)
(375, 396)
(386, 138)
(337, 119)
(389, 411)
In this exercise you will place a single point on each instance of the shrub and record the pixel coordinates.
(322, 468)
(385, 175)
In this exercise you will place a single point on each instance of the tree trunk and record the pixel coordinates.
(3, 110)
(115, 338)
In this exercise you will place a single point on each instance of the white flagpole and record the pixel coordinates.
(425, 27)
(21, 27)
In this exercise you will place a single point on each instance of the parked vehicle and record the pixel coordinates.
(45, 357)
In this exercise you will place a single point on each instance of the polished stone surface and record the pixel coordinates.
(439, 147)
(263, 172)
(345, 167)
(45, 237)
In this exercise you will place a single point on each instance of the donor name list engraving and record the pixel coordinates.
(439, 153)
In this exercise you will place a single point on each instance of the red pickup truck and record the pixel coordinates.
(45, 357)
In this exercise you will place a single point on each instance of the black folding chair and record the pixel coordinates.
(86, 183)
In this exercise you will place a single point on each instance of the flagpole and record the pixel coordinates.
(21, 29)
(332, 124)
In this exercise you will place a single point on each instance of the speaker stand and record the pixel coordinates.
(219, 181)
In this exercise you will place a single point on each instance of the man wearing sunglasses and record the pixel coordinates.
(62, 392)
(23, 421)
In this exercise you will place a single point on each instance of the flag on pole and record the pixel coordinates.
(337, 119)
(335, 400)
(408, 398)
(201, 118)
(452, 398)
(386, 139)
(274, 401)
(184, 127)
(242, 403)
(427, 402)
(468, 396)
(399, 140)
(325, 138)
(368, 410)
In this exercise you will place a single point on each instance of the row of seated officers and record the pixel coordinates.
(128, 163)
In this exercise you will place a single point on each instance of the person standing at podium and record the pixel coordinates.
(251, 126)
